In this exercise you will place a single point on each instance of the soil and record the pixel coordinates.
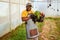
(47, 30)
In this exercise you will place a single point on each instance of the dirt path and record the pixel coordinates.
(48, 29)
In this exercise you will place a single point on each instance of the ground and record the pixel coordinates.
(49, 30)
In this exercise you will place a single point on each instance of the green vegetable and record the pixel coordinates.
(37, 13)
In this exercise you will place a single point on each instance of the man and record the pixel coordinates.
(26, 16)
(25, 13)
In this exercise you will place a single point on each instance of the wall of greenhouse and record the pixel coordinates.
(10, 14)
(42, 5)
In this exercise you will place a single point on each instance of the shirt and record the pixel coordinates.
(25, 13)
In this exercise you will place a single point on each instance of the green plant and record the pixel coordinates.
(37, 13)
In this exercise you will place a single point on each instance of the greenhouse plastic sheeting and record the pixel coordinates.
(4, 18)
(10, 15)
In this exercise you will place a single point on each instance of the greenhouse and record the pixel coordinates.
(11, 23)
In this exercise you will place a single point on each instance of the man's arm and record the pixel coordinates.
(25, 18)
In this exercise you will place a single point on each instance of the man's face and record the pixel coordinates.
(28, 8)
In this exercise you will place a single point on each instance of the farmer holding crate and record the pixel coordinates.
(31, 28)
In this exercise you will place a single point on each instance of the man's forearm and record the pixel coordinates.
(25, 18)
